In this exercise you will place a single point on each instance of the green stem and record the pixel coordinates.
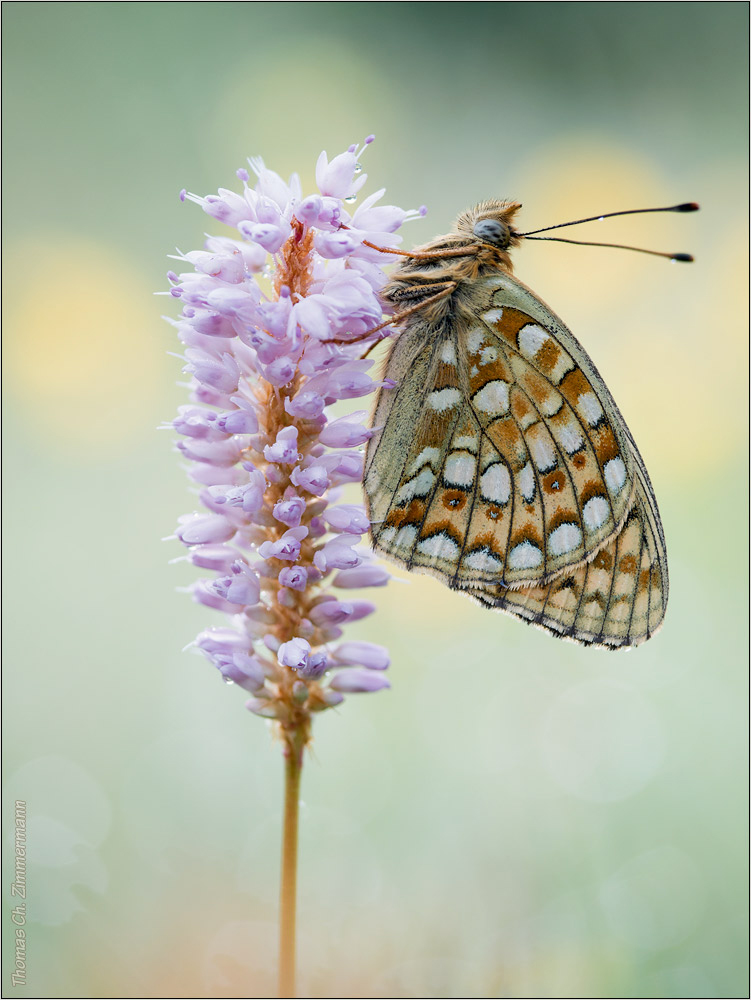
(293, 753)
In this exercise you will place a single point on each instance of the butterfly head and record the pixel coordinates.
(490, 223)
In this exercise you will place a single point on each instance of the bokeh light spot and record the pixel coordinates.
(86, 359)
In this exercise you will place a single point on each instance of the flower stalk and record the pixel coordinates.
(293, 758)
(275, 321)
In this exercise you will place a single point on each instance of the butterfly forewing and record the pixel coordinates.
(546, 413)
(498, 462)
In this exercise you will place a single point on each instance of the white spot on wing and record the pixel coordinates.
(595, 512)
(527, 482)
(495, 483)
(483, 561)
(448, 354)
(543, 453)
(487, 355)
(615, 474)
(531, 338)
(524, 556)
(466, 442)
(589, 407)
(441, 400)
(386, 536)
(492, 398)
(426, 456)
(565, 538)
(439, 547)
(475, 339)
(420, 486)
(569, 438)
(405, 537)
(459, 469)
(493, 316)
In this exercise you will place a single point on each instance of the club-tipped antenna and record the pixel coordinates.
(685, 206)
(617, 246)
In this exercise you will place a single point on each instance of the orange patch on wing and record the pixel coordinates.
(438, 527)
(409, 515)
(507, 438)
(510, 324)
(605, 444)
(562, 517)
(539, 388)
(547, 356)
(603, 560)
(627, 564)
(520, 405)
(554, 481)
(486, 541)
(526, 533)
(445, 376)
(453, 499)
(491, 372)
(592, 488)
(574, 384)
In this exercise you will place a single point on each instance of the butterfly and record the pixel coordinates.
(499, 461)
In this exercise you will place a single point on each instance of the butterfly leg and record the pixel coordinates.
(446, 288)
(424, 254)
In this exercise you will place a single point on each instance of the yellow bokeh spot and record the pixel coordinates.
(84, 345)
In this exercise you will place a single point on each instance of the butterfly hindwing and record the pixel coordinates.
(616, 599)
(414, 422)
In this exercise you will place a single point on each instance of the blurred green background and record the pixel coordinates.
(517, 816)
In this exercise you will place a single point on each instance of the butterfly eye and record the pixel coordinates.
(492, 231)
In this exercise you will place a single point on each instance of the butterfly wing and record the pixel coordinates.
(556, 463)
(502, 463)
(616, 599)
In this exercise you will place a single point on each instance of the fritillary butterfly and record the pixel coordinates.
(500, 462)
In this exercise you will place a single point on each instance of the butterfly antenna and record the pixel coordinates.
(686, 206)
(618, 246)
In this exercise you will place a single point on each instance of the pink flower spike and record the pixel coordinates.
(367, 575)
(284, 449)
(346, 432)
(287, 547)
(359, 681)
(294, 653)
(348, 517)
(365, 654)
(337, 178)
(205, 529)
(290, 511)
(335, 245)
(314, 479)
(267, 357)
